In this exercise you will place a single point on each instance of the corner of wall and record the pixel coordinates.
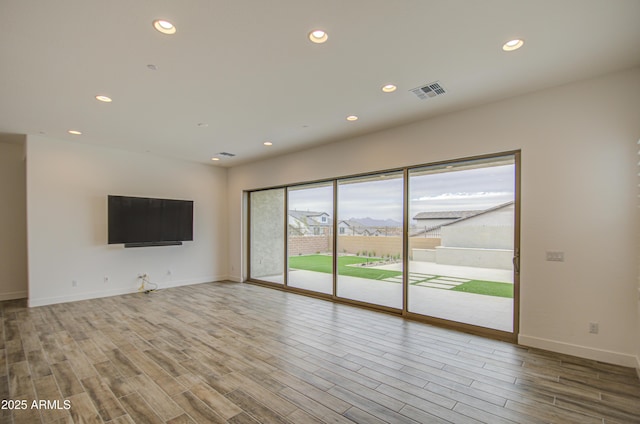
(13, 222)
(235, 278)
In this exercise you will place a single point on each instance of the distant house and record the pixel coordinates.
(479, 238)
(312, 223)
(309, 223)
(353, 227)
(431, 224)
(489, 229)
(426, 220)
(349, 228)
(375, 232)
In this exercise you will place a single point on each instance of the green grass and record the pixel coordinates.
(489, 288)
(324, 263)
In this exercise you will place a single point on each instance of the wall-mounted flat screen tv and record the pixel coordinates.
(143, 221)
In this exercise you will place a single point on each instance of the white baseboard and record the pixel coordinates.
(234, 278)
(169, 284)
(602, 355)
(33, 302)
(13, 295)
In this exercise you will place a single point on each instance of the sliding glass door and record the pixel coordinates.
(369, 241)
(437, 242)
(461, 242)
(310, 237)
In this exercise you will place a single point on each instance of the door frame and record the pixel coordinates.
(511, 336)
(469, 328)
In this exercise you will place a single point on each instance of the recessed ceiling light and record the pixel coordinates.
(214, 158)
(164, 26)
(105, 99)
(512, 45)
(389, 88)
(268, 143)
(74, 132)
(318, 36)
(352, 118)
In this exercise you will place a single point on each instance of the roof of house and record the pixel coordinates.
(306, 214)
(351, 223)
(471, 214)
(494, 208)
(446, 214)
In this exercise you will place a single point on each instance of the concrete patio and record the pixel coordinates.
(469, 308)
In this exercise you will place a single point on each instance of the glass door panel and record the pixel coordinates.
(267, 235)
(369, 239)
(310, 237)
(461, 242)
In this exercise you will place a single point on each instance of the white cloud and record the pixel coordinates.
(464, 196)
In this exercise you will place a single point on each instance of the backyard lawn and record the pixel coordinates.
(489, 288)
(323, 263)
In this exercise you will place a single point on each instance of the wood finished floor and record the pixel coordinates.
(238, 353)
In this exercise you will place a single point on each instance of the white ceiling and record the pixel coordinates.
(247, 69)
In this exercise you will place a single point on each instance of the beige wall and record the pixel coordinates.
(579, 170)
(309, 245)
(13, 221)
(375, 246)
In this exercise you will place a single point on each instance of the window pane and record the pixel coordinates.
(310, 241)
(370, 239)
(461, 239)
(267, 235)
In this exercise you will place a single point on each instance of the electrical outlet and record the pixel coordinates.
(594, 328)
(106, 279)
(555, 256)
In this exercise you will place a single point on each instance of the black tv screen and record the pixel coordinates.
(142, 221)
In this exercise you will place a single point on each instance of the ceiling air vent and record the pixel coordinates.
(227, 154)
(429, 90)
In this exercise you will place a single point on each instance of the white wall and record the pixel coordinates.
(13, 221)
(67, 188)
(493, 230)
(578, 145)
